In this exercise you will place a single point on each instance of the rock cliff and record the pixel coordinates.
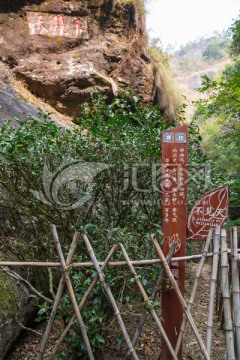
(54, 55)
(17, 308)
(64, 51)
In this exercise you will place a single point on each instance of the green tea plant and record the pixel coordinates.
(107, 160)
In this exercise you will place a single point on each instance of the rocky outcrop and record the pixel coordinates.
(17, 308)
(18, 103)
(14, 107)
(64, 51)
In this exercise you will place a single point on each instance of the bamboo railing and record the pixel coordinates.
(224, 279)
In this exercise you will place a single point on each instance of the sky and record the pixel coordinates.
(177, 22)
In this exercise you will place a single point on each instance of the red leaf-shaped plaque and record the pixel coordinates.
(210, 210)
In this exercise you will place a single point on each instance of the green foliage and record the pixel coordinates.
(224, 94)
(157, 54)
(235, 33)
(139, 4)
(95, 313)
(194, 49)
(189, 48)
(220, 115)
(161, 62)
(186, 64)
(215, 50)
(118, 134)
(124, 135)
(199, 56)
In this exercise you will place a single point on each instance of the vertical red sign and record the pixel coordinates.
(174, 217)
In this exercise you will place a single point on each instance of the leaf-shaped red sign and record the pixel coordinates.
(210, 210)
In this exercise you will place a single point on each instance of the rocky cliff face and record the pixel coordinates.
(54, 55)
(17, 308)
(64, 51)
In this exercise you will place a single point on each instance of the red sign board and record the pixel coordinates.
(174, 217)
(210, 210)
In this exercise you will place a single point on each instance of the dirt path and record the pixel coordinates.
(149, 344)
(200, 315)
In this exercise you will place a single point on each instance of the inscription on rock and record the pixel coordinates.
(56, 25)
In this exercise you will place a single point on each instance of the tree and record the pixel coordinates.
(220, 113)
(235, 33)
(215, 50)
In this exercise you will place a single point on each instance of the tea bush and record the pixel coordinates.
(105, 159)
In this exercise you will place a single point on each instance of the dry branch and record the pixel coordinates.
(181, 299)
(29, 329)
(16, 276)
(50, 276)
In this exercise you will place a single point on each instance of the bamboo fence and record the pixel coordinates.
(226, 298)
(224, 295)
(235, 290)
(57, 298)
(213, 286)
(194, 290)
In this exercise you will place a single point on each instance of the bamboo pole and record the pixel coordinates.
(148, 302)
(236, 290)
(82, 303)
(71, 292)
(110, 296)
(194, 289)
(57, 298)
(219, 299)
(153, 295)
(216, 243)
(181, 299)
(226, 298)
(89, 264)
(218, 305)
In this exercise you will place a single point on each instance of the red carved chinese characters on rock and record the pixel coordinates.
(57, 25)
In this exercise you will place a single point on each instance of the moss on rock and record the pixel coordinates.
(8, 299)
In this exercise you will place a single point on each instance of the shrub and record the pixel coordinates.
(115, 142)
(216, 50)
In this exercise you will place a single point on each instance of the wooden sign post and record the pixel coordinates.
(174, 217)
